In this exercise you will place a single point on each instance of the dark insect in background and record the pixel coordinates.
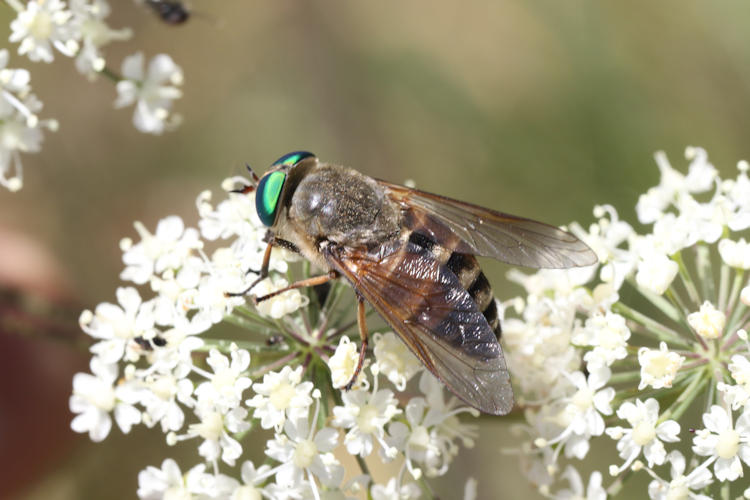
(170, 11)
(412, 256)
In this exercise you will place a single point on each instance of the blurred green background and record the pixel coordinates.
(541, 109)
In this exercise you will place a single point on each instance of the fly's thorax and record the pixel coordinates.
(341, 205)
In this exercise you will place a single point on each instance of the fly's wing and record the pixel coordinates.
(480, 231)
(427, 307)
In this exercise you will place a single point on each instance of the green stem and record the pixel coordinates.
(250, 315)
(725, 491)
(681, 380)
(723, 287)
(662, 332)
(735, 293)
(687, 279)
(662, 304)
(622, 377)
(284, 360)
(111, 74)
(687, 396)
(705, 272)
(426, 488)
(615, 488)
(248, 345)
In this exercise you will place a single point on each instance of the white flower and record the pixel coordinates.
(88, 19)
(594, 491)
(701, 173)
(343, 363)
(656, 272)
(424, 440)
(651, 205)
(225, 387)
(365, 414)
(735, 253)
(607, 334)
(160, 400)
(724, 442)
(167, 249)
(118, 326)
(224, 273)
(737, 395)
(152, 93)
(658, 366)
(644, 433)
(579, 413)
(95, 396)
(681, 486)
(394, 359)
(708, 322)
(20, 127)
(745, 296)
(738, 193)
(447, 411)
(42, 24)
(279, 305)
(235, 216)
(393, 490)
(281, 395)
(216, 428)
(169, 482)
(301, 450)
(251, 488)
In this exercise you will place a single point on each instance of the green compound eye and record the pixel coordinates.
(290, 159)
(267, 196)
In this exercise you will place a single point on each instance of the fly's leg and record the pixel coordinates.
(315, 280)
(261, 275)
(363, 336)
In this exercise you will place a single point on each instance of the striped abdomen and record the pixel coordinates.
(470, 275)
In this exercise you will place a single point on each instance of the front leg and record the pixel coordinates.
(314, 281)
(262, 274)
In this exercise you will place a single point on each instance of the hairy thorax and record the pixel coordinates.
(341, 205)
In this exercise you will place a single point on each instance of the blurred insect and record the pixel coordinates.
(274, 340)
(170, 11)
(411, 255)
(148, 345)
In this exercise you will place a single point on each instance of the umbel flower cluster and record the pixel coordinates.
(646, 353)
(209, 370)
(77, 30)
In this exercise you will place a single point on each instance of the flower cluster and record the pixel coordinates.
(21, 130)
(203, 365)
(78, 29)
(646, 351)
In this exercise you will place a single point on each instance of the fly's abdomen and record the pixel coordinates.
(469, 274)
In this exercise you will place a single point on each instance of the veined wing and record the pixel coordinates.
(485, 232)
(427, 307)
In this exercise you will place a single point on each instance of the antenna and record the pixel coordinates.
(253, 182)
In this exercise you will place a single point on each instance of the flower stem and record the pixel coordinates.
(705, 272)
(662, 332)
(660, 302)
(735, 293)
(111, 74)
(687, 279)
(626, 376)
(271, 366)
(687, 396)
(723, 287)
